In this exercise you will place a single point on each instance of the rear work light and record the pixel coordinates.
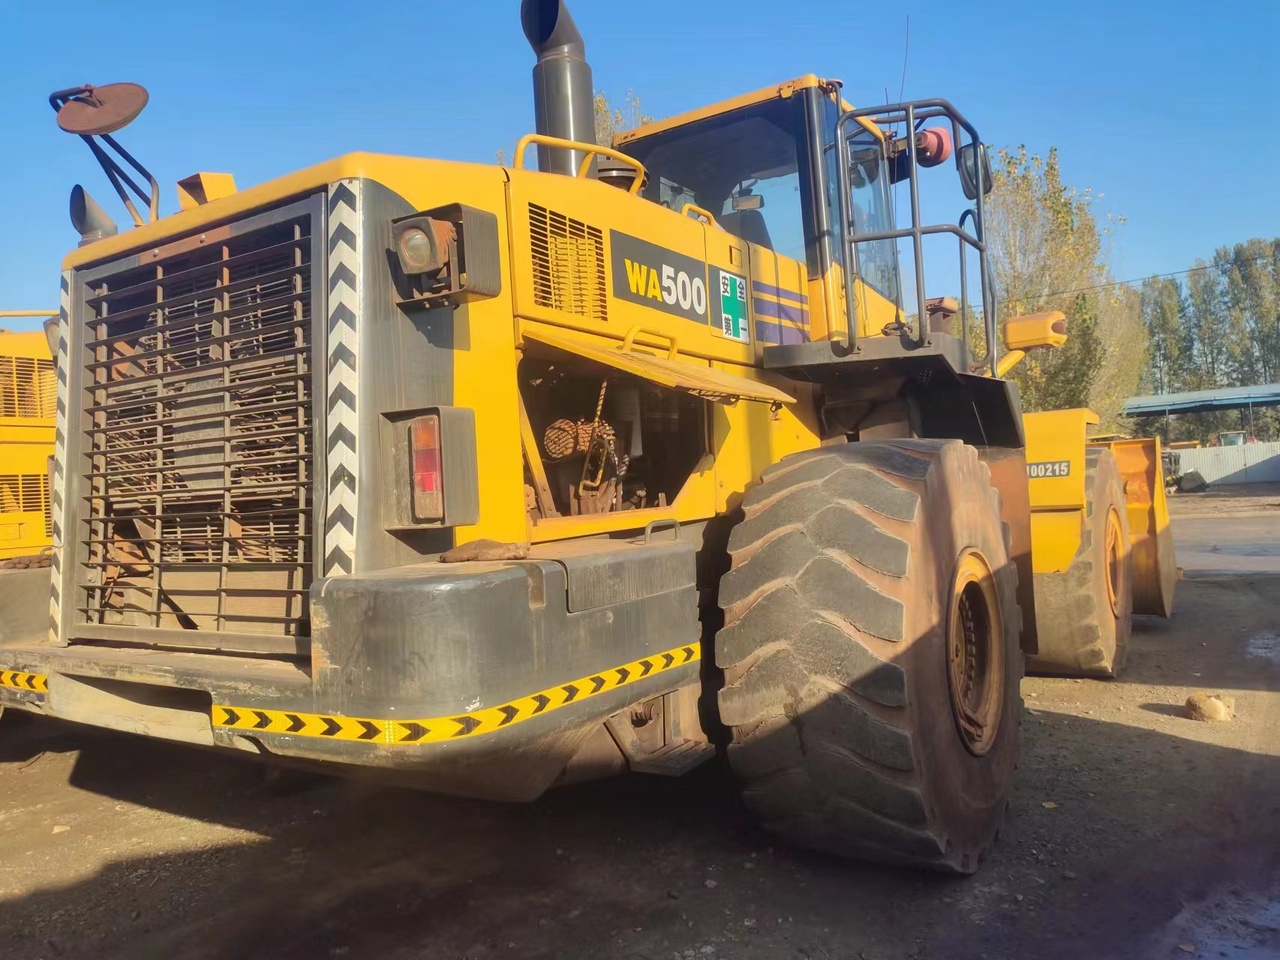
(426, 468)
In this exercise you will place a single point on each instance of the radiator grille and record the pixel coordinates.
(568, 264)
(28, 388)
(198, 445)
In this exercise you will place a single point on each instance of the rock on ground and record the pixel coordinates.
(1210, 708)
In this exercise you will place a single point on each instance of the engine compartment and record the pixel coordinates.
(607, 441)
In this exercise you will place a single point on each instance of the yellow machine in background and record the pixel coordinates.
(1102, 548)
(1155, 570)
(28, 392)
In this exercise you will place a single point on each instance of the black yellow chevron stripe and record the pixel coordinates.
(17, 680)
(451, 726)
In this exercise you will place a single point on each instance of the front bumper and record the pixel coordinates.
(480, 679)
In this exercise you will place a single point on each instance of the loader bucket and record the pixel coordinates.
(1155, 570)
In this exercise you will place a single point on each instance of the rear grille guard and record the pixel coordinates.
(198, 436)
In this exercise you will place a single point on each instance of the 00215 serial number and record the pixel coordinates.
(1048, 468)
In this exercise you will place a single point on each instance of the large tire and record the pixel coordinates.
(840, 611)
(1085, 613)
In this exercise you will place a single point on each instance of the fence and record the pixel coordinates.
(1247, 463)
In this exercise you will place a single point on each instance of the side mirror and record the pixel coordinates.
(974, 163)
(1047, 329)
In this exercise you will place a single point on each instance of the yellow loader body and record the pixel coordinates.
(27, 398)
(1057, 441)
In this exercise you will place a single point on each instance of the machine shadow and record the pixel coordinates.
(638, 866)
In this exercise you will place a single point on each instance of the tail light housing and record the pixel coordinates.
(426, 468)
(428, 475)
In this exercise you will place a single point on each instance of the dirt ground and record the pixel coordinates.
(1228, 499)
(1133, 833)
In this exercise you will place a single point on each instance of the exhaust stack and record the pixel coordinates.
(89, 219)
(563, 96)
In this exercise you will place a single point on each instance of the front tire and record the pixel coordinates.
(871, 653)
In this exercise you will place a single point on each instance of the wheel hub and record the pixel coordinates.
(975, 653)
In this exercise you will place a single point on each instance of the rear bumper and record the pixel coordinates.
(480, 679)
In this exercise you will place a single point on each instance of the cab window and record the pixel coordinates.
(743, 167)
(870, 203)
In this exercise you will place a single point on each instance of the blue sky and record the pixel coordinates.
(1167, 109)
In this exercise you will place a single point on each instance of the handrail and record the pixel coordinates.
(913, 114)
(590, 149)
(629, 340)
(707, 215)
(28, 313)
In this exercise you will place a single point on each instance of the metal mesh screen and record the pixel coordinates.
(198, 442)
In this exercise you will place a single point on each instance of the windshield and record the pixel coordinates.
(751, 169)
(743, 167)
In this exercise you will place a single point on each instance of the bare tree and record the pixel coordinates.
(611, 119)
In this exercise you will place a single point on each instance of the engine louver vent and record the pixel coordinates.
(27, 388)
(24, 493)
(568, 264)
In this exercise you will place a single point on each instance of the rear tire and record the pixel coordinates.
(871, 653)
(1084, 614)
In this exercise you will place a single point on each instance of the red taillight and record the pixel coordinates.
(428, 478)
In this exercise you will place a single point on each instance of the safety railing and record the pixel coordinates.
(913, 114)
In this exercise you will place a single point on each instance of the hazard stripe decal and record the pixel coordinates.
(56, 507)
(449, 727)
(26, 682)
(341, 459)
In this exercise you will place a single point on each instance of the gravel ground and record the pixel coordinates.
(1133, 833)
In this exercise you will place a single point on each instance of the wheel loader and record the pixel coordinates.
(488, 479)
(28, 393)
(1102, 544)
(1102, 548)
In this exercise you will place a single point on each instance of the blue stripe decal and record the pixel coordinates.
(780, 311)
(778, 292)
(767, 332)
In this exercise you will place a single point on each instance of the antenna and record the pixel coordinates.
(92, 112)
(906, 48)
(902, 89)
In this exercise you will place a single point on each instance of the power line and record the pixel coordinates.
(1136, 280)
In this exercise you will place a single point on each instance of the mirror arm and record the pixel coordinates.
(1009, 361)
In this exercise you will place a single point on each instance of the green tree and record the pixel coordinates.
(1220, 327)
(1162, 312)
(1209, 360)
(1252, 271)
